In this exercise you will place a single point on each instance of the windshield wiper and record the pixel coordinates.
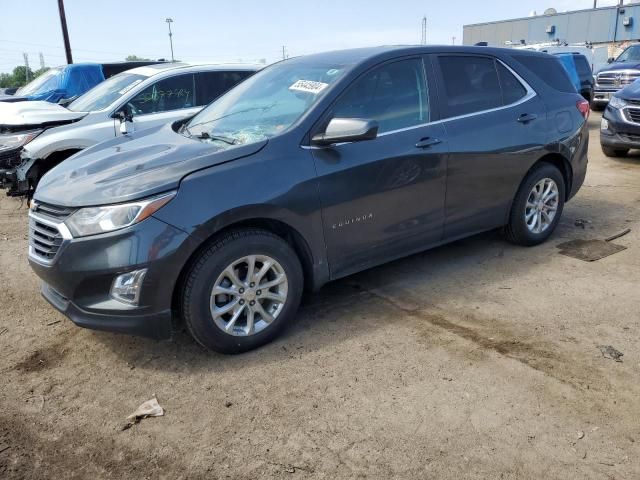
(227, 140)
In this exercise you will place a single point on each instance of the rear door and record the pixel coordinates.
(164, 101)
(495, 125)
(384, 198)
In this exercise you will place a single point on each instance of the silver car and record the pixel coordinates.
(36, 136)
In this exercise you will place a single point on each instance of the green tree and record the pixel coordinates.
(17, 78)
(135, 58)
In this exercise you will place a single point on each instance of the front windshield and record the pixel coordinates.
(266, 104)
(631, 54)
(46, 82)
(107, 92)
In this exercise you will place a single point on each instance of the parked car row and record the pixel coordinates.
(309, 170)
(37, 136)
(66, 83)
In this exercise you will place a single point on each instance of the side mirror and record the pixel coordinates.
(341, 130)
(611, 60)
(124, 116)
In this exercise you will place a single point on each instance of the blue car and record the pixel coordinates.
(65, 83)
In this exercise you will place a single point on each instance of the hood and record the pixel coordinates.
(28, 115)
(132, 167)
(620, 66)
(630, 92)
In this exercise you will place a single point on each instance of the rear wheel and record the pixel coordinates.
(242, 291)
(537, 207)
(614, 152)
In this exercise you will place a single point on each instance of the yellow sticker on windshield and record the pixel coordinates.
(308, 86)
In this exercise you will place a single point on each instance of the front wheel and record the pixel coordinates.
(242, 291)
(537, 207)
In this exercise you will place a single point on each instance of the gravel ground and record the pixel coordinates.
(474, 360)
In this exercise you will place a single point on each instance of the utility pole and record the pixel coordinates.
(423, 41)
(26, 66)
(453, 40)
(65, 32)
(41, 61)
(284, 52)
(169, 22)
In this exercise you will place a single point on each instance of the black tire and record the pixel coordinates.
(597, 107)
(199, 282)
(516, 230)
(614, 152)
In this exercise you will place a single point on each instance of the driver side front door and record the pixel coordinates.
(384, 198)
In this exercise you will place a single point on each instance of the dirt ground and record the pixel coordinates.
(474, 360)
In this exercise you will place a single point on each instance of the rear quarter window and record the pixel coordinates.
(549, 70)
(583, 67)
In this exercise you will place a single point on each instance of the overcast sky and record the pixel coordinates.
(239, 30)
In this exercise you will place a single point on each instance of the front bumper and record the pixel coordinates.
(602, 97)
(77, 281)
(620, 132)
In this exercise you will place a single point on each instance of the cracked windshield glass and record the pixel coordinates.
(265, 105)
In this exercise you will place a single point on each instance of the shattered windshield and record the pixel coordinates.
(46, 82)
(265, 105)
(631, 54)
(107, 92)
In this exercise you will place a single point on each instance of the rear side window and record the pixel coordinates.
(471, 84)
(583, 67)
(394, 94)
(210, 85)
(512, 89)
(549, 70)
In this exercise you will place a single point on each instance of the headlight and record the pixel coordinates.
(94, 220)
(617, 102)
(9, 142)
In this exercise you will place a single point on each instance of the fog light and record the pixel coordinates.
(126, 287)
(604, 124)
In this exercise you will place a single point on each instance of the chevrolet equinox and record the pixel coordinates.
(313, 169)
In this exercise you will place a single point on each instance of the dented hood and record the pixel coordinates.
(30, 115)
(133, 167)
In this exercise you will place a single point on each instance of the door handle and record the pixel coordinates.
(428, 142)
(527, 117)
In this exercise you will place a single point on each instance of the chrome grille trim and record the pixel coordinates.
(46, 238)
(632, 114)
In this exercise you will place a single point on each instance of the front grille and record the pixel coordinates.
(11, 158)
(44, 239)
(633, 114)
(617, 79)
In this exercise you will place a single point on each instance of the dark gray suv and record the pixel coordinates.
(313, 169)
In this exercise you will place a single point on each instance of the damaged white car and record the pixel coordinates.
(36, 136)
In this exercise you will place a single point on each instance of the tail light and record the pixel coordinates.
(583, 108)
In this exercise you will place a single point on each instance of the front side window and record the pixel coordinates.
(104, 94)
(173, 93)
(266, 104)
(210, 85)
(394, 94)
(471, 84)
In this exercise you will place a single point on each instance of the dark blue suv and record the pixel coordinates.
(313, 169)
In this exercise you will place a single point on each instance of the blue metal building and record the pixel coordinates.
(598, 26)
